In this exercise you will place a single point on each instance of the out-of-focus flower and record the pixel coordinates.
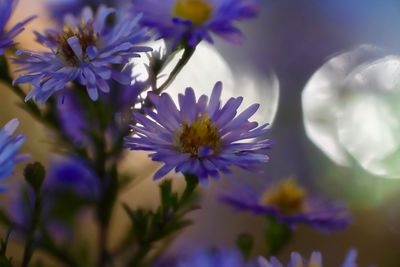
(296, 260)
(7, 37)
(58, 9)
(202, 138)
(9, 148)
(69, 187)
(85, 51)
(214, 258)
(289, 204)
(193, 20)
(77, 123)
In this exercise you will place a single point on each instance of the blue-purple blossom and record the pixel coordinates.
(85, 51)
(202, 137)
(289, 204)
(9, 148)
(296, 260)
(214, 258)
(195, 20)
(7, 37)
(58, 9)
(77, 123)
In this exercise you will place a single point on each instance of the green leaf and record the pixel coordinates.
(277, 235)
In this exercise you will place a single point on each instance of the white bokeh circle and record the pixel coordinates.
(351, 108)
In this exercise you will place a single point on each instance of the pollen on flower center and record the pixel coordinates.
(85, 35)
(197, 11)
(287, 196)
(202, 132)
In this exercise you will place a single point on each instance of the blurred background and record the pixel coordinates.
(335, 118)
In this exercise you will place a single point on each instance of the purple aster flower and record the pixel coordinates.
(9, 148)
(201, 137)
(289, 204)
(194, 20)
(85, 51)
(315, 260)
(7, 37)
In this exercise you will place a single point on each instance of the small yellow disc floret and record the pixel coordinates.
(197, 11)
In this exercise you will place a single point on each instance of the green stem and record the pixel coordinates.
(47, 244)
(167, 219)
(187, 54)
(29, 246)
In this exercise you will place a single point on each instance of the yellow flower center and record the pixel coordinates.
(197, 11)
(287, 196)
(199, 133)
(85, 35)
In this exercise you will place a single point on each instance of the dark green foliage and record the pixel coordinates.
(245, 243)
(277, 235)
(34, 174)
(4, 260)
(149, 227)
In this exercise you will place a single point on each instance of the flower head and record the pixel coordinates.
(85, 51)
(194, 20)
(7, 37)
(213, 258)
(9, 148)
(296, 260)
(201, 137)
(290, 204)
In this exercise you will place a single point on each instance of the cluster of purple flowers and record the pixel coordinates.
(197, 137)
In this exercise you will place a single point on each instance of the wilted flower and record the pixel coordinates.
(296, 260)
(290, 204)
(201, 138)
(7, 37)
(194, 20)
(9, 148)
(84, 52)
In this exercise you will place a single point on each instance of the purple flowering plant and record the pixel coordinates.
(81, 86)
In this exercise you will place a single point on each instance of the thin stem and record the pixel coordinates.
(170, 217)
(28, 251)
(187, 54)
